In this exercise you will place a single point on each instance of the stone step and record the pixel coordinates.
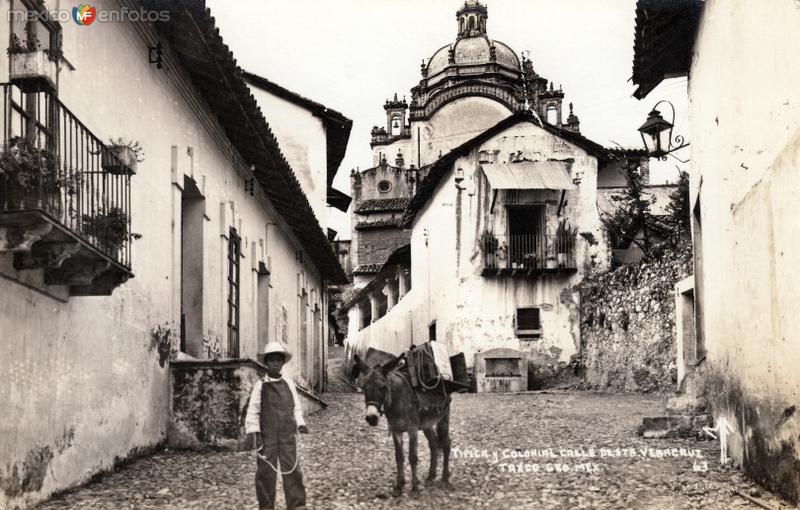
(674, 426)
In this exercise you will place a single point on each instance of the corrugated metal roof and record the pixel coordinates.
(529, 175)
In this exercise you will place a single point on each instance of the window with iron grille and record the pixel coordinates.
(234, 254)
(527, 323)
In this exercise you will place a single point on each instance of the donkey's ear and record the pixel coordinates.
(363, 368)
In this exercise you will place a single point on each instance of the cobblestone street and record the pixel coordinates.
(349, 464)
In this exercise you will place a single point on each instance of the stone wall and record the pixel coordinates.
(209, 402)
(628, 335)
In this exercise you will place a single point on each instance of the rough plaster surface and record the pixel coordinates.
(765, 439)
(628, 324)
(210, 403)
(744, 161)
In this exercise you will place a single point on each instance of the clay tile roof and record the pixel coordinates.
(337, 126)
(402, 255)
(367, 269)
(366, 225)
(626, 152)
(383, 205)
(663, 41)
(192, 34)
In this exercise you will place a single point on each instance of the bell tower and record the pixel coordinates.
(550, 105)
(396, 110)
(472, 19)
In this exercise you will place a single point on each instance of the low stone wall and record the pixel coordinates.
(209, 402)
(628, 336)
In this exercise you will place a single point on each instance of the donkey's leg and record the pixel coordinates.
(430, 435)
(400, 480)
(443, 434)
(413, 458)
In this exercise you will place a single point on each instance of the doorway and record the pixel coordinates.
(526, 239)
(192, 219)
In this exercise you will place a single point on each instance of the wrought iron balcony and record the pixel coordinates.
(527, 254)
(64, 196)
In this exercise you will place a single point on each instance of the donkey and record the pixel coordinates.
(387, 390)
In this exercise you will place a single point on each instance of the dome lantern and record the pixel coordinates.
(472, 19)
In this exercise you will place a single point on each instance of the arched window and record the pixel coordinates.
(552, 115)
(461, 26)
(472, 23)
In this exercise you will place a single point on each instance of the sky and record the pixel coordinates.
(351, 55)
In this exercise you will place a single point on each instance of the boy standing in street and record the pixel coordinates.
(274, 415)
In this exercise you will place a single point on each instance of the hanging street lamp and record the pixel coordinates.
(657, 134)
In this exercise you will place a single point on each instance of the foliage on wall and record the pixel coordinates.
(161, 342)
(212, 347)
(631, 220)
(678, 209)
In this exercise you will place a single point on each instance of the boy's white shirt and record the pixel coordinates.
(252, 422)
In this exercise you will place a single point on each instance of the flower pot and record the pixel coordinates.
(33, 71)
(15, 198)
(119, 160)
(562, 260)
(110, 249)
(551, 263)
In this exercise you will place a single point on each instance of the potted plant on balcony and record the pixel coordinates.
(31, 68)
(110, 229)
(550, 260)
(28, 177)
(121, 156)
(489, 245)
(565, 238)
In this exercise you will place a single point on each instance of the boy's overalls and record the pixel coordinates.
(279, 451)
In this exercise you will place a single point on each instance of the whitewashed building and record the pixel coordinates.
(232, 252)
(739, 349)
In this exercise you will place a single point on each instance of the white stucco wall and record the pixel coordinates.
(405, 146)
(392, 333)
(484, 307)
(85, 384)
(745, 140)
(302, 140)
(474, 313)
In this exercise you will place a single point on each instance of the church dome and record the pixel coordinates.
(469, 51)
(473, 65)
(507, 56)
(472, 50)
(439, 60)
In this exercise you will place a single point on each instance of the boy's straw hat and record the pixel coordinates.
(275, 346)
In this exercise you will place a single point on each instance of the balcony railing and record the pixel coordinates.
(381, 137)
(527, 253)
(68, 173)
